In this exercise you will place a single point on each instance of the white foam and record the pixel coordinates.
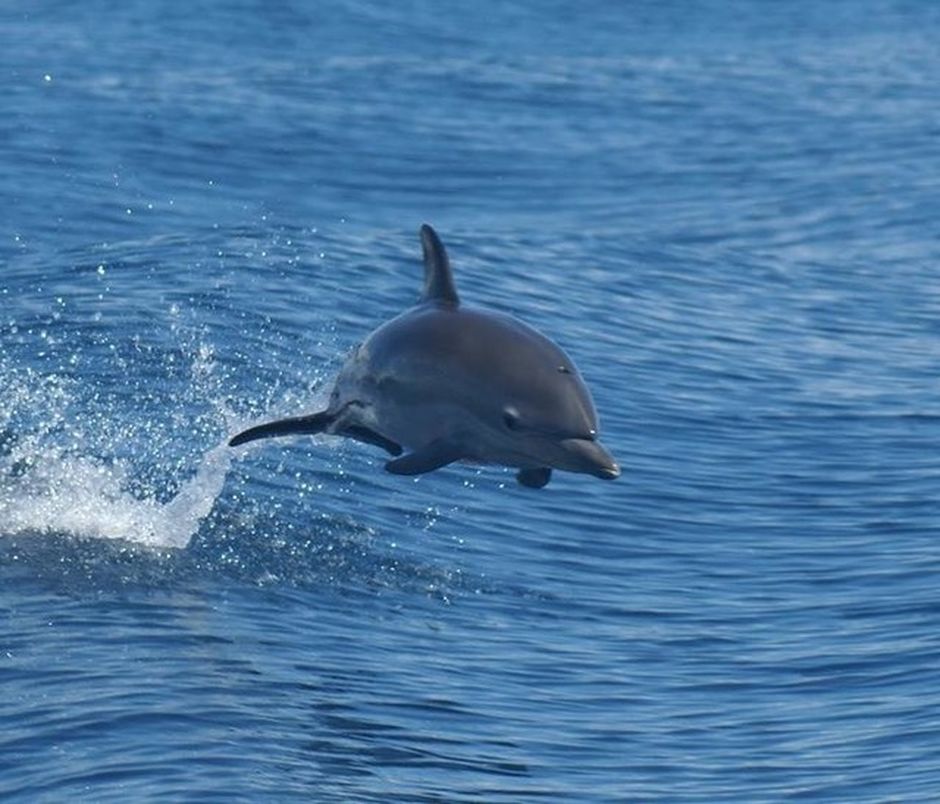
(84, 497)
(65, 466)
(180, 517)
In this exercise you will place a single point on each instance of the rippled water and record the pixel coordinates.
(725, 213)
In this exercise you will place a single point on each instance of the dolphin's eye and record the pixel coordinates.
(564, 370)
(511, 418)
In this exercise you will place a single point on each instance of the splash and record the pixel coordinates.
(68, 467)
(87, 497)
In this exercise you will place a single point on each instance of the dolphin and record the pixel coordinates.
(450, 383)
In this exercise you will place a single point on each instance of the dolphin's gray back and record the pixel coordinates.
(482, 361)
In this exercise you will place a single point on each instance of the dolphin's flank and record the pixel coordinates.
(443, 383)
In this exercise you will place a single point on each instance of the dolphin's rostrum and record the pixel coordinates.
(450, 383)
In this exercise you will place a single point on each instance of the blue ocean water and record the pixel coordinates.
(724, 211)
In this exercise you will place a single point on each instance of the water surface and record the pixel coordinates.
(725, 213)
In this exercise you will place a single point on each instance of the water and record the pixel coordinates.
(725, 212)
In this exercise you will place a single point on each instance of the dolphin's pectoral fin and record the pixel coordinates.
(534, 478)
(298, 425)
(433, 456)
(359, 433)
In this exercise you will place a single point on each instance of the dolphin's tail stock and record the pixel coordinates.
(298, 425)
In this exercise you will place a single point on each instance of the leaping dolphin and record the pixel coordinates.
(450, 383)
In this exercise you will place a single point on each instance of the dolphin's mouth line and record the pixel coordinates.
(589, 456)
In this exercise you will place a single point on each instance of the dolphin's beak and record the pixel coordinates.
(590, 458)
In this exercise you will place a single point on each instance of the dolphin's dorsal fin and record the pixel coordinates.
(438, 279)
